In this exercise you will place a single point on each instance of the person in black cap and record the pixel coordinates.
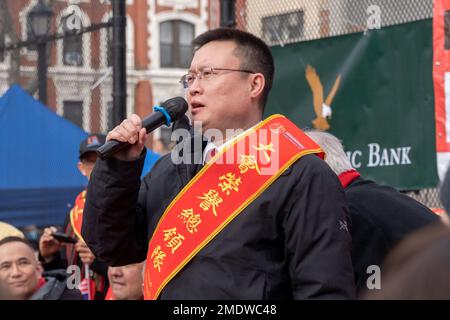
(50, 253)
(88, 156)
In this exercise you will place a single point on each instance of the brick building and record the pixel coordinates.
(79, 79)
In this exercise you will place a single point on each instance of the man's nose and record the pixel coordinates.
(195, 87)
(16, 272)
(116, 272)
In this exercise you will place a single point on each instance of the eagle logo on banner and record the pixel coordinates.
(321, 108)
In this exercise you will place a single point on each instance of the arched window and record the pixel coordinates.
(73, 51)
(175, 43)
(73, 111)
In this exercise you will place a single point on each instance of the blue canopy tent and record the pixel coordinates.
(39, 179)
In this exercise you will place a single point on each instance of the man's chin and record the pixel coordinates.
(20, 293)
(197, 118)
(200, 124)
(119, 295)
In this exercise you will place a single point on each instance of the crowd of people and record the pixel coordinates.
(312, 228)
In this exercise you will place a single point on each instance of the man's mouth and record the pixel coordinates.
(17, 284)
(120, 284)
(196, 105)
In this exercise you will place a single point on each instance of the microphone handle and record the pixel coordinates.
(113, 146)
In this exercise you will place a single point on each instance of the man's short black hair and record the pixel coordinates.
(16, 239)
(254, 53)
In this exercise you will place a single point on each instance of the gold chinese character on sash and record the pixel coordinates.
(78, 212)
(158, 258)
(230, 183)
(248, 162)
(173, 239)
(191, 219)
(265, 149)
(79, 205)
(210, 199)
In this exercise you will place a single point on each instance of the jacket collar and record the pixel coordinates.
(348, 177)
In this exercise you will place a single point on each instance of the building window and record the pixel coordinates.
(2, 43)
(285, 27)
(73, 51)
(447, 30)
(175, 44)
(73, 111)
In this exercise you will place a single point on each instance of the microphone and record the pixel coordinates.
(169, 111)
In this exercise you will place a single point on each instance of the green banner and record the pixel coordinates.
(374, 91)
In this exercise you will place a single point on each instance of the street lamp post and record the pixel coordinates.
(119, 62)
(42, 71)
(39, 19)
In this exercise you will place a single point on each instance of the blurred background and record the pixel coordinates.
(73, 67)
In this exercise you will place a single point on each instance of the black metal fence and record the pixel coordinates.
(79, 78)
(287, 21)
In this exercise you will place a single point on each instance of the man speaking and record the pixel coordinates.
(221, 229)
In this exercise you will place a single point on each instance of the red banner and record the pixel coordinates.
(76, 214)
(441, 73)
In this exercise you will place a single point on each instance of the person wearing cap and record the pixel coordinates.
(52, 253)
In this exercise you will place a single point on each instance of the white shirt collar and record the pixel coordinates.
(210, 146)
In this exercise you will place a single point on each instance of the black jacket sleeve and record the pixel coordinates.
(318, 242)
(114, 225)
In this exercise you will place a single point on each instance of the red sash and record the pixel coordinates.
(218, 193)
(96, 283)
(109, 294)
(76, 214)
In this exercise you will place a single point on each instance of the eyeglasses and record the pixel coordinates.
(205, 73)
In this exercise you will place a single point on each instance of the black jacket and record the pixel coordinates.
(288, 243)
(381, 217)
(56, 287)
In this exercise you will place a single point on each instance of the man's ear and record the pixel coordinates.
(257, 84)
